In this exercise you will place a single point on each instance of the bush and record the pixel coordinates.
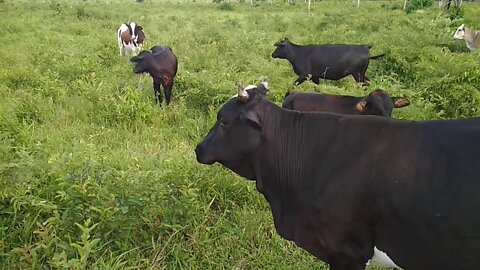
(455, 96)
(413, 5)
(454, 13)
(225, 6)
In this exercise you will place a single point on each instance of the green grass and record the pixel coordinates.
(94, 175)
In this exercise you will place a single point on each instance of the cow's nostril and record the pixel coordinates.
(203, 156)
(199, 151)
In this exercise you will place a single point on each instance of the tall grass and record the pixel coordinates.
(94, 175)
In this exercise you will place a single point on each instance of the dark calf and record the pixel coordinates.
(378, 102)
(331, 62)
(162, 65)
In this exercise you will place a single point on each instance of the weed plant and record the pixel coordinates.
(95, 175)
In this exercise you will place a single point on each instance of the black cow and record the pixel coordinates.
(378, 102)
(331, 62)
(343, 186)
(162, 65)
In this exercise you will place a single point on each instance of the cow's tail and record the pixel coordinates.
(286, 94)
(377, 56)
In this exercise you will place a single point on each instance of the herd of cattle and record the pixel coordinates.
(160, 62)
(314, 62)
(344, 181)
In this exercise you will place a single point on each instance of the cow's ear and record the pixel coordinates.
(261, 91)
(399, 102)
(361, 105)
(136, 59)
(281, 43)
(252, 119)
(139, 27)
(264, 82)
(262, 88)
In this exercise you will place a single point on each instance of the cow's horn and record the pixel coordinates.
(242, 93)
(265, 82)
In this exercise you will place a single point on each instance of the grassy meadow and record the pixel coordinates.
(95, 175)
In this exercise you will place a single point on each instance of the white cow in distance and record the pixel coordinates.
(471, 37)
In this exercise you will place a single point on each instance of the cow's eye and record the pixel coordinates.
(223, 122)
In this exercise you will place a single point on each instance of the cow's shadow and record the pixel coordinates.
(454, 47)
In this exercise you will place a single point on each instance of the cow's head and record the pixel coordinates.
(140, 37)
(282, 49)
(236, 134)
(378, 102)
(141, 62)
(460, 33)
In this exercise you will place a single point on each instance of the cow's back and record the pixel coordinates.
(318, 102)
(166, 59)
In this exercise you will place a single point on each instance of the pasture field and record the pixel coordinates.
(95, 175)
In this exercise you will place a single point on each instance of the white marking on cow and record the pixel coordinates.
(381, 258)
(133, 26)
(248, 87)
(460, 33)
(130, 47)
(324, 73)
(265, 82)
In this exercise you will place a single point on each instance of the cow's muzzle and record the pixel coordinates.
(202, 155)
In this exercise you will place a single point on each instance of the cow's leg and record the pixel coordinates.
(365, 82)
(167, 89)
(360, 77)
(156, 89)
(316, 80)
(357, 76)
(300, 80)
(119, 41)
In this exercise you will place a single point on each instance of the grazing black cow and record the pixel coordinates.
(331, 62)
(162, 65)
(378, 102)
(360, 184)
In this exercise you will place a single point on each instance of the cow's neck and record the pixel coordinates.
(292, 140)
(291, 56)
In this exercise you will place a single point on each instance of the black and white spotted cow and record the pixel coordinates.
(130, 38)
